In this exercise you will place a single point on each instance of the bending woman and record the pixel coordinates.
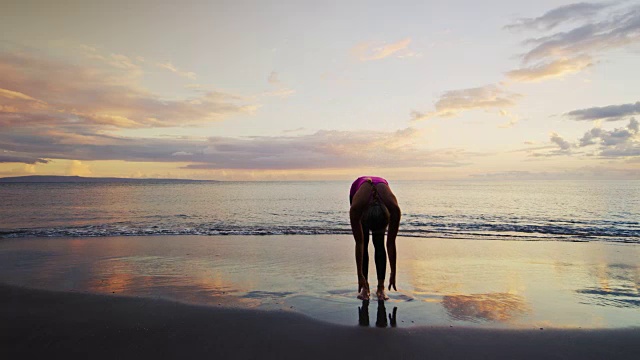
(373, 209)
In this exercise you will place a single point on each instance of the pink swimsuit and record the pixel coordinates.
(363, 179)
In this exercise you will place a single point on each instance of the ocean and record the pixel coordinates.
(568, 259)
(607, 211)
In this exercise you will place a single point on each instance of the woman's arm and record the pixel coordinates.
(392, 233)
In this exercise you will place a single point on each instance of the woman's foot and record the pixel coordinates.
(364, 294)
(381, 294)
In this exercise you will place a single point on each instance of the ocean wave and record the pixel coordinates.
(576, 229)
(423, 230)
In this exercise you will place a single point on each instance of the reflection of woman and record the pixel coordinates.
(381, 315)
(373, 208)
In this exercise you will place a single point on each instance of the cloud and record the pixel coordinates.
(618, 30)
(633, 125)
(558, 146)
(14, 95)
(61, 108)
(513, 119)
(320, 150)
(608, 113)
(453, 102)
(273, 78)
(621, 142)
(40, 91)
(566, 52)
(552, 69)
(13, 157)
(562, 143)
(557, 16)
(551, 56)
(77, 168)
(368, 51)
(117, 61)
(169, 66)
(296, 130)
(281, 90)
(581, 173)
(197, 86)
(327, 149)
(281, 93)
(622, 151)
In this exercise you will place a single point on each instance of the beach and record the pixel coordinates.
(54, 324)
(289, 296)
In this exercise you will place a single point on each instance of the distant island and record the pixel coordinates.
(80, 179)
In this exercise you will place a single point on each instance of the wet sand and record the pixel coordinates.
(38, 323)
(441, 282)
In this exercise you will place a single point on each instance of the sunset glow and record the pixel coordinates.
(288, 90)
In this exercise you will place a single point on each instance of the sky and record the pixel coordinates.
(320, 90)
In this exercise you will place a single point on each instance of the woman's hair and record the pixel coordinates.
(376, 218)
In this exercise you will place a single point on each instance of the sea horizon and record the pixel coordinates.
(494, 210)
(478, 178)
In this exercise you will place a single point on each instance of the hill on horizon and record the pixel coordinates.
(80, 179)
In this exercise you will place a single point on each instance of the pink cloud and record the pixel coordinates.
(33, 88)
(368, 51)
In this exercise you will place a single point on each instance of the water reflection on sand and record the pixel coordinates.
(618, 285)
(154, 276)
(441, 282)
(485, 307)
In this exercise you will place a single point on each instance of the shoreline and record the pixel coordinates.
(49, 323)
(427, 237)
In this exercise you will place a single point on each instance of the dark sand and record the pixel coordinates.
(44, 324)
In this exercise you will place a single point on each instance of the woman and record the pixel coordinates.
(373, 208)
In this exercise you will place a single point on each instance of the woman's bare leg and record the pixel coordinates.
(381, 263)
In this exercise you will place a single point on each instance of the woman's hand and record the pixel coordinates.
(392, 281)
